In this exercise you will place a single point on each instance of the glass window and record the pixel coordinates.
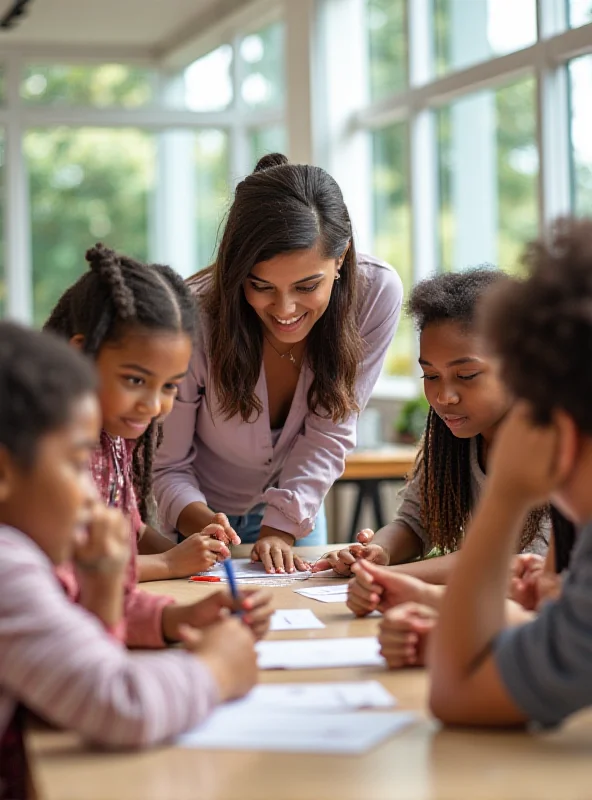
(86, 185)
(469, 31)
(2, 280)
(212, 191)
(1, 84)
(488, 162)
(271, 139)
(82, 85)
(387, 47)
(579, 12)
(391, 227)
(208, 81)
(580, 77)
(262, 67)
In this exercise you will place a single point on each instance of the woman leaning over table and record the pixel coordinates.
(293, 328)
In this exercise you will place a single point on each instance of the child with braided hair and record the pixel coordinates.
(136, 322)
(467, 404)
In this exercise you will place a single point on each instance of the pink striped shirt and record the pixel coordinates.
(58, 661)
(112, 471)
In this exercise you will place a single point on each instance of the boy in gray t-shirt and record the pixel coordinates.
(541, 330)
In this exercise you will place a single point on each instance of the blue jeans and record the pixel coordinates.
(248, 526)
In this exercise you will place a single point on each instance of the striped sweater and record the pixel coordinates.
(57, 660)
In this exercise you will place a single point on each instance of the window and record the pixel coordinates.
(208, 81)
(579, 12)
(2, 90)
(580, 74)
(387, 47)
(86, 185)
(212, 191)
(271, 139)
(262, 67)
(469, 31)
(488, 174)
(391, 231)
(2, 273)
(98, 86)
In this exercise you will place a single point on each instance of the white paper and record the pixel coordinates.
(245, 570)
(319, 653)
(307, 697)
(326, 594)
(295, 619)
(348, 733)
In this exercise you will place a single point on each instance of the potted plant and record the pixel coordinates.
(410, 423)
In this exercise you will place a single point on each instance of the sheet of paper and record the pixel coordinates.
(307, 697)
(319, 653)
(295, 619)
(245, 570)
(291, 732)
(325, 594)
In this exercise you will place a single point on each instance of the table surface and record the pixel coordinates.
(391, 462)
(422, 763)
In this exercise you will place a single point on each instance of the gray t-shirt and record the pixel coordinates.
(546, 665)
(410, 513)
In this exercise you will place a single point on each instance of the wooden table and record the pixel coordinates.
(421, 763)
(368, 469)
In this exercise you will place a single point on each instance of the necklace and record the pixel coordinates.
(289, 355)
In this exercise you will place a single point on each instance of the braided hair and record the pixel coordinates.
(118, 293)
(443, 463)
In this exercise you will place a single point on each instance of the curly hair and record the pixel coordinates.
(281, 208)
(40, 379)
(443, 463)
(115, 295)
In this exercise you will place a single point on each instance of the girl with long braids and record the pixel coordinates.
(136, 322)
(293, 328)
(467, 404)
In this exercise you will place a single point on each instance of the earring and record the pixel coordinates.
(338, 277)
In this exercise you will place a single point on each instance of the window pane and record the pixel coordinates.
(488, 176)
(391, 227)
(208, 81)
(580, 12)
(387, 46)
(469, 31)
(98, 86)
(2, 90)
(86, 185)
(271, 139)
(580, 76)
(2, 262)
(263, 67)
(211, 169)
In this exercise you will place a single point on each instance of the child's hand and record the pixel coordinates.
(534, 588)
(523, 570)
(341, 561)
(227, 649)
(195, 615)
(526, 464)
(379, 588)
(256, 610)
(104, 546)
(197, 553)
(404, 633)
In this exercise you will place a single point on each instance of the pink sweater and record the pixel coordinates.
(112, 472)
(58, 661)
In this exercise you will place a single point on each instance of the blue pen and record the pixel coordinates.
(227, 564)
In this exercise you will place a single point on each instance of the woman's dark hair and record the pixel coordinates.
(40, 379)
(564, 535)
(118, 294)
(281, 208)
(444, 459)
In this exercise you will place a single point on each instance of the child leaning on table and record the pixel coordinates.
(57, 659)
(136, 322)
(541, 331)
(467, 404)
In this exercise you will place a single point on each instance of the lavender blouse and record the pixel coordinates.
(233, 465)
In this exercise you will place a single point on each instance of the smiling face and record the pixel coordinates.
(460, 381)
(139, 379)
(290, 292)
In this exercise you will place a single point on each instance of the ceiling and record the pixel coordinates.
(152, 27)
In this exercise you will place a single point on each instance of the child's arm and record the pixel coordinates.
(467, 684)
(195, 554)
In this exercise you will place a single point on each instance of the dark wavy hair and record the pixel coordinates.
(446, 500)
(114, 296)
(281, 208)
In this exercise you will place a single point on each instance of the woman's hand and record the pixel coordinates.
(404, 633)
(274, 550)
(341, 561)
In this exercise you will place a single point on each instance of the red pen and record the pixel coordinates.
(205, 578)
